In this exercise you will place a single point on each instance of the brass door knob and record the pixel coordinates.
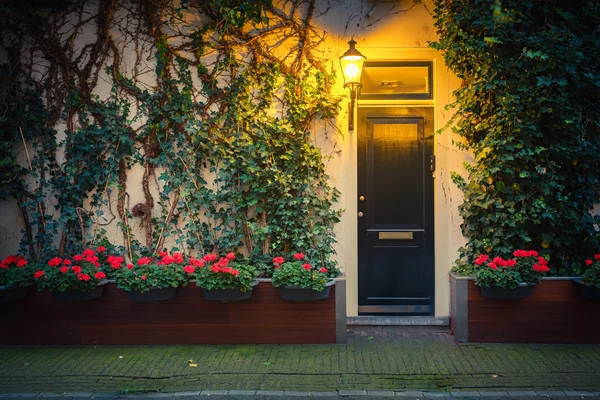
(362, 198)
(360, 214)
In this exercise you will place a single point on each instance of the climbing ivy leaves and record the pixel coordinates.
(528, 110)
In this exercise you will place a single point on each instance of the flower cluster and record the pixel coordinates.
(14, 272)
(298, 273)
(591, 274)
(169, 270)
(81, 271)
(223, 273)
(526, 266)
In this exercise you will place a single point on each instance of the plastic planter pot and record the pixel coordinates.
(587, 291)
(522, 291)
(9, 295)
(154, 295)
(76, 295)
(228, 295)
(305, 294)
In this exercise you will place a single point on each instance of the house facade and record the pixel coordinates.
(399, 232)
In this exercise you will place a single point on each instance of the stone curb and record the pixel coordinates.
(291, 393)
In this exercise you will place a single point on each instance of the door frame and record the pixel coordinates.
(426, 113)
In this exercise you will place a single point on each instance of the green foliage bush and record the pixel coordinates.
(528, 111)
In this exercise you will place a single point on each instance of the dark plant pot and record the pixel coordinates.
(14, 294)
(523, 291)
(77, 295)
(153, 295)
(305, 294)
(587, 291)
(227, 295)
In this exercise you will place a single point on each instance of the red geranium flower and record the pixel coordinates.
(230, 256)
(588, 262)
(78, 257)
(130, 266)
(481, 259)
(323, 269)
(55, 262)
(178, 258)
(38, 274)
(210, 257)
(21, 262)
(306, 266)
(299, 256)
(88, 253)
(596, 256)
(64, 270)
(215, 268)
(189, 269)
(196, 263)
(101, 249)
(100, 275)
(235, 272)
(144, 261)
(76, 269)
(278, 260)
(83, 277)
(144, 277)
(66, 262)
(540, 268)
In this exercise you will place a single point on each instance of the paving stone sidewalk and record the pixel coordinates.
(376, 358)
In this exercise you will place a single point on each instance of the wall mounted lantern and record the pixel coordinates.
(351, 63)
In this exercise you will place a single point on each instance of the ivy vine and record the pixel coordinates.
(529, 111)
(214, 100)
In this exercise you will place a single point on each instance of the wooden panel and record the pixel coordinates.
(555, 313)
(188, 319)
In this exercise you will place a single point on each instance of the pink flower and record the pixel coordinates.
(278, 260)
(100, 275)
(64, 270)
(55, 262)
(230, 256)
(299, 256)
(481, 259)
(144, 261)
(210, 257)
(190, 269)
(76, 269)
(323, 269)
(83, 277)
(306, 266)
(588, 262)
(144, 277)
(101, 249)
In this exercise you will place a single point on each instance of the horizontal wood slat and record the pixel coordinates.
(188, 319)
(555, 313)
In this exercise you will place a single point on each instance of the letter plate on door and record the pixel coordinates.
(395, 235)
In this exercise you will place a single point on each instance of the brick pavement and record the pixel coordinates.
(384, 359)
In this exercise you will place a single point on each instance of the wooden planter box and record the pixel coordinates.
(555, 313)
(188, 319)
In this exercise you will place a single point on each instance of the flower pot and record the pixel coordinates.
(9, 295)
(305, 294)
(587, 291)
(523, 291)
(153, 295)
(76, 295)
(227, 295)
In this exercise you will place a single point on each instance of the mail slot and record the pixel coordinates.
(395, 235)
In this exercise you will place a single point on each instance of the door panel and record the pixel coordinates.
(396, 201)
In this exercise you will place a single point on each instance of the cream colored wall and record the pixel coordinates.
(386, 32)
(398, 30)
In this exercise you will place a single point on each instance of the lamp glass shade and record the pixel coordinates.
(351, 63)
